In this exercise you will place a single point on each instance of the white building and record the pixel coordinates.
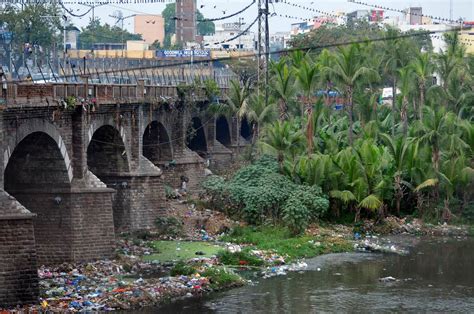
(438, 43)
(279, 40)
(223, 38)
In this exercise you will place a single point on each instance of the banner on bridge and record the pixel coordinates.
(197, 53)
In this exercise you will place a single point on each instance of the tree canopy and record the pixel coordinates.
(411, 153)
(96, 32)
(36, 23)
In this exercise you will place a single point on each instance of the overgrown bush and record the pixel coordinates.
(169, 226)
(258, 192)
(243, 257)
(182, 268)
(221, 277)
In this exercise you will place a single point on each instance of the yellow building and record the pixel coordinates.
(467, 38)
(151, 27)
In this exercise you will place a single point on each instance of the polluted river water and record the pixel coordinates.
(437, 275)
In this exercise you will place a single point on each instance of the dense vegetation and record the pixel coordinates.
(328, 129)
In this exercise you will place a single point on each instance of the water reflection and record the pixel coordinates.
(437, 276)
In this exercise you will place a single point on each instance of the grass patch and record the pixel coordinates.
(282, 242)
(181, 250)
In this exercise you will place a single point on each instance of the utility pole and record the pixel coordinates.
(259, 46)
(263, 46)
(64, 42)
(267, 51)
(240, 37)
(451, 10)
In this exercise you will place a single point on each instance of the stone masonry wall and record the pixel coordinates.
(52, 225)
(18, 265)
(92, 224)
(138, 201)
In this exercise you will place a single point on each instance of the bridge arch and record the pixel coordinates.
(106, 152)
(246, 129)
(157, 146)
(37, 175)
(33, 126)
(223, 131)
(196, 137)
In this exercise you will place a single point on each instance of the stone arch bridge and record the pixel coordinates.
(80, 162)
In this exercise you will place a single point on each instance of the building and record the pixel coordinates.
(151, 27)
(414, 15)
(186, 27)
(300, 28)
(322, 20)
(224, 32)
(109, 46)
(137, 45)
(376, 15)
(467, 38)
(279, 40)
(437, 40)
(72, 34)
(357, 15)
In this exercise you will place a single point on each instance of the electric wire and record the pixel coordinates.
(277, 52)
(403, 11)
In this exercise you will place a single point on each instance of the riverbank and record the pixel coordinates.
(152, 268)
(149, 272)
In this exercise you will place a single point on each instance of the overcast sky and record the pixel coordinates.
(461, 8)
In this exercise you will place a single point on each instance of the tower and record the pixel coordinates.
(186, 21)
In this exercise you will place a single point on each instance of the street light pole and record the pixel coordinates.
(64, 42)
(240, 37)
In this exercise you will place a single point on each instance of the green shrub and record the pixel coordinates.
(169, 192)
(221, 277)
(182, 268)
(169, 226)
(258, 192)
(239, 258)
(296, 215)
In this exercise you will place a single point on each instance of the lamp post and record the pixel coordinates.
(121, 18)
(240, 37)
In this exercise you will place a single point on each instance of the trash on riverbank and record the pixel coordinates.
(374, 244)
(283, 269)
(106, 286)
(388, 279)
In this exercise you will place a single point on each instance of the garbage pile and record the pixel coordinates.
(374, 244)
(283, 269)
(105, 286)
(269, 257)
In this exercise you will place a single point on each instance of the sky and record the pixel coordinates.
(441, 8)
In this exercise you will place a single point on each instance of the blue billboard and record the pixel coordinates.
(198, 53)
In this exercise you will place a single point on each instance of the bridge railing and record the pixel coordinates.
(20, 94)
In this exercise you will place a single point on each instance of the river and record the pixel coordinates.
(436, 276)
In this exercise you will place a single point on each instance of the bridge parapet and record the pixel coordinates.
(21, 94)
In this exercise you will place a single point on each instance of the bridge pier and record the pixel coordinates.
(18, 262)
(139, 197)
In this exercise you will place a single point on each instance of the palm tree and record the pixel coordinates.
(257, 113)
(406, 79)
(396, 55)
(306, 80)
(348, 68)
(282, 83)
(455, 174)
(282, 138)
(234, 105)
(440, 129)
(423, 71)
(402, 149)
